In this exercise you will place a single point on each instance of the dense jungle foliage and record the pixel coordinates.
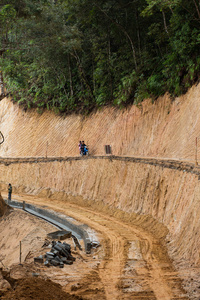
(77, 55)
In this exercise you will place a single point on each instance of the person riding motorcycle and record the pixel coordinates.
(84, 149)
(79, 145)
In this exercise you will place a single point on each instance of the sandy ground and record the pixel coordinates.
(129, 264)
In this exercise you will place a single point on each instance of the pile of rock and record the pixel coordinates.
(59, 255)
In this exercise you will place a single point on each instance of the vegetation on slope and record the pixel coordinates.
(75, 55)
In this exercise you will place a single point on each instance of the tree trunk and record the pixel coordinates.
(70, 78)
(1, 84)
(124, 31)
(164, 21)
(82, 73)
(109, 64)
(197, 9)
(138, 31)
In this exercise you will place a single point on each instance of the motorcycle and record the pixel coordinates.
(85, 151)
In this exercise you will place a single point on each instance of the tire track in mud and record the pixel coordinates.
(154, 277)
(151, 277)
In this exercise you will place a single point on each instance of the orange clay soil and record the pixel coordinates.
(37, 288)
(155, 208)
(129, 264)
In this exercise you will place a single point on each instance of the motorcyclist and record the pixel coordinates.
(79, 145)
(83, 148)
(83, 145)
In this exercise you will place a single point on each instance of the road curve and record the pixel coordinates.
(134, 264)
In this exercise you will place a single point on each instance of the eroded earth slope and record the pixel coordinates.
(145, 210)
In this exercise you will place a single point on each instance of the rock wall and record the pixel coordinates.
(164, 129)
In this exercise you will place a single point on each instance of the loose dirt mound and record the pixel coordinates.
(4, 208)
(37, 288)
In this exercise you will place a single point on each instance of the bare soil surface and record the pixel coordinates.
(4, 208)
(129, 264)
(186, 166)
(152, 177)
(36, 288)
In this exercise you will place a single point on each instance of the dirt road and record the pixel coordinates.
(132, 263)
(186, 166)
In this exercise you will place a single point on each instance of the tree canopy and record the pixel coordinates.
(77, 55)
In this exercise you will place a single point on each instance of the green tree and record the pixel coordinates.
(77, 55)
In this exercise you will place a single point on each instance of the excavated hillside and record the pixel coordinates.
(164, 129)
(149, 186)
(4, 208)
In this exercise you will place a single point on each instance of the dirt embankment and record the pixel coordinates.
(164, 129)
(162, 200)
(18, 277)
(159, 195)
(4, 208)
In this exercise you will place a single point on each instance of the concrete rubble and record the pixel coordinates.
(59, 255)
